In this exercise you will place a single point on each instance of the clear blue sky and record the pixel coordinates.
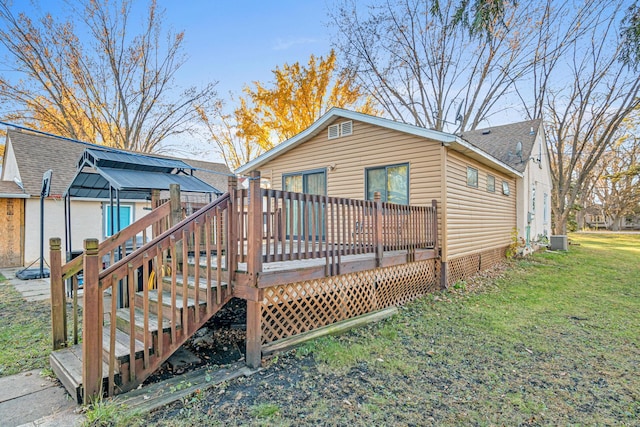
(237, 42)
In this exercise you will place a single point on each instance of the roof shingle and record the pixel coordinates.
(500, 141)
(35, 154)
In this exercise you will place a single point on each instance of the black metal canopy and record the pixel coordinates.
(132, 175)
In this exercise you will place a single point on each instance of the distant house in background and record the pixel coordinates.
(486, 183)
(27, 156)
(595, 218)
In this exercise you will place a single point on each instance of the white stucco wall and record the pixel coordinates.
(87, 222)
(10, 169)
(536, 180)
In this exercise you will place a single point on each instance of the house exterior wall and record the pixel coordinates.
(368, 146)
(534, 194)
(477, 220)
(86, 217)
(12, 220)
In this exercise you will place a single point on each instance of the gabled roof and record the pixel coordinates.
(450, 140)
(501, 141)
(35, 154)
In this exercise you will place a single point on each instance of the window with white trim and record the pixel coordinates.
(472, 177)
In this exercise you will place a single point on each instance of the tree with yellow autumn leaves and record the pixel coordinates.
(270, 114)
(112, 86)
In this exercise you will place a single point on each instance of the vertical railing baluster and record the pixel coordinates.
(185, 282)
(174, 273)
(208, 223)
(218, 256)
(268, 227)
(159, 275)
(197, 229)
(145, 307)
(112, 334)
(132, 322)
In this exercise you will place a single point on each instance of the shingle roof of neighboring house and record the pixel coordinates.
(35, 154)
(501, 141)
(214, 174)
(10, 187)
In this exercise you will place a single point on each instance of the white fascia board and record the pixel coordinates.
(14, 196)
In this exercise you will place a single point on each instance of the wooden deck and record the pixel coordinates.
(300, 261)
(280, 272)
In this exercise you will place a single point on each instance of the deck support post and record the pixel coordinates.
(434, 223)
(444, 274)
(58, 302)
(92, 324)
(377, 232)
(174, 218)
(254, 267)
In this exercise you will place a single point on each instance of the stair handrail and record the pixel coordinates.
(115, 267)
(74, 266)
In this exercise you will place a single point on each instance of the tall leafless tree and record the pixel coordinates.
(594, 92)
(101, 78)
(425, 68)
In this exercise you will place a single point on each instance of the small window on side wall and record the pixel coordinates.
(491, 183)
(505, 188)
(472, 177)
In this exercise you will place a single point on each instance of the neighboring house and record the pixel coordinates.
(27, 156)
(595, 218)
(484, 182)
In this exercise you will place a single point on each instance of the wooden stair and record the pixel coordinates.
(67, 362)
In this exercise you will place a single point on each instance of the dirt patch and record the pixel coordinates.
(220, 342)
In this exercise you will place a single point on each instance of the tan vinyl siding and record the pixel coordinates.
(477, 220)
(368, 146)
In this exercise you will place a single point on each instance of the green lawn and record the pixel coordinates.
(25, 332)
(554, 340)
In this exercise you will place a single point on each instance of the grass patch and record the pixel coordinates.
(265, 410)
(25, 332)
(105, 413)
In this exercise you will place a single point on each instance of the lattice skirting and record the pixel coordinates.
(464, 267)
(299, 307)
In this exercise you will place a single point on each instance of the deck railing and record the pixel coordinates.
(302, 226)
(183, 250)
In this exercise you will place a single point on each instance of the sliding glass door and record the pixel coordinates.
(309, 182)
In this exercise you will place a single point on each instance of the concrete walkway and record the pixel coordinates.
(27, 399)
(31, 290)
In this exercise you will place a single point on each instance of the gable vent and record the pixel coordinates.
(334, 131)
(346, 128)
(341, 129)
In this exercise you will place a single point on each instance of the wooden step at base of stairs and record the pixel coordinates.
(66, 363)
(121, 347)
